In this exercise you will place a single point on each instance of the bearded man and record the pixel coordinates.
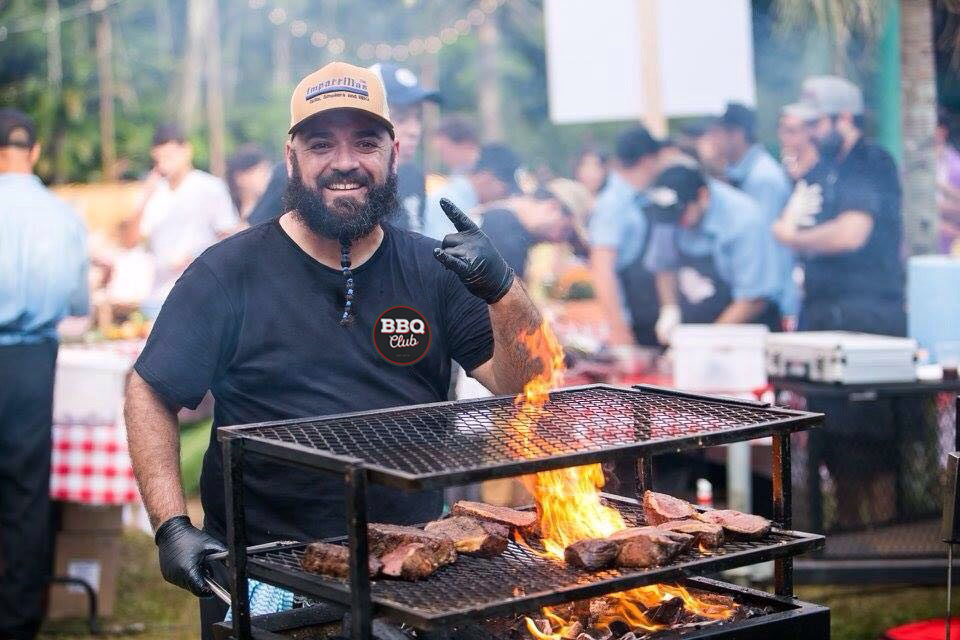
(326, 309)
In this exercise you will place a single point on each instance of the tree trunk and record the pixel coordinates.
(919, 117)
(108, 149)
(54, 55)
(214, 71)
(281, 59)
(192, 62)
(488, 82)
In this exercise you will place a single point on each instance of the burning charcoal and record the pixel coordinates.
(585, 636)
(410, 562)
(384, 538)
(669, 612)
(598, 607)
(659, 508)
(573, 631)
(618, 628)
(592, 553)
(484, 539)
(630, 635)
(543, 625)
(648, 546)
(743, 526)
(716, 599)
(705, 534)
(522, 520)
(332, 560)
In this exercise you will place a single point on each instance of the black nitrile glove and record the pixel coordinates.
(183, 548)
(470, 254)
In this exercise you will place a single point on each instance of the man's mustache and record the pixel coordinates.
(358, 177)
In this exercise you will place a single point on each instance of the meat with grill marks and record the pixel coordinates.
(648, 546)
(705, 534)
(385, 538)
(659, 508)
(332, 560)
(472, 536)
(742, 526)
(524, 521)
(410, 562)
(592, 553)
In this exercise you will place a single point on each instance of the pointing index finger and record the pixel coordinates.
(457, 217)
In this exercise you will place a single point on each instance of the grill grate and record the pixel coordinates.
(517, 579)
(419, 443)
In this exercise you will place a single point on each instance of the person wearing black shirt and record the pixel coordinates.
(849, 246)
(281, 321)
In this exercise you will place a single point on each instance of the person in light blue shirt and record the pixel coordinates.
(712, 248)
(617, 233)
(754, 171)
(43, 266)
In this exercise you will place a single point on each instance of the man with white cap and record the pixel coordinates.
(850, 246)
(326, 309)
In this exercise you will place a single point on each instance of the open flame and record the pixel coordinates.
(568, 501)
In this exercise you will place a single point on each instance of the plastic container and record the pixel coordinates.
(719, 358)
(933, 306)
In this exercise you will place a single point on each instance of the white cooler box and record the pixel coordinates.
(843, 357)
(719, 358)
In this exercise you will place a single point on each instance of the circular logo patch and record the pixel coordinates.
(401, 335)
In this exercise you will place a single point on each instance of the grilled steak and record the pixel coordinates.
(592, 553)
(410, 562)
(705, 534)
(648, 546)
(525, 521)
(384, 538)
(659, 508)
(485, 539)
(332, 560)
(744, 526)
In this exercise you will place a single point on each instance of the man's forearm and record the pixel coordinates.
(607, 291)
(510, 317)
(666, 285)
(742, 311)
(154, 442)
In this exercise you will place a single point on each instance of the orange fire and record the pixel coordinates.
(568, 500)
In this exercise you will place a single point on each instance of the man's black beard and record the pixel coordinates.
(346, 219)
(830, 145)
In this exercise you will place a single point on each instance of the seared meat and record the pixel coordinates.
(522, 520)
(384, 538)
(705, 534)
(648, 546)
(659, 508)
(592, 553)
(332, 560)
(410, 562)
(485, 539)
(744, 526)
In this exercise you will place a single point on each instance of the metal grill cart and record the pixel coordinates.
(906, 546)
(451, 443)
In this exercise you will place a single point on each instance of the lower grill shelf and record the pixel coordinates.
(517, 580)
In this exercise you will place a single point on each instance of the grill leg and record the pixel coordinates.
(782, 509)
(644, 475)
(236, 537)
(360, 606)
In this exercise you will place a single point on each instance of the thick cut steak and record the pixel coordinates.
(705, 534)
(409, 562)
(523, 520)
(486, 539)
(659, 508)
(648, 546)
(744, 526)
(384, 538)
(332, 560)
(592, 553)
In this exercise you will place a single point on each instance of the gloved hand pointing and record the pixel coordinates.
(183, 549)
(470, 254)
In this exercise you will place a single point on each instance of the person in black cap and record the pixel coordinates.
(406, 97)
(43, 263)
(457, 144)
(493, 177)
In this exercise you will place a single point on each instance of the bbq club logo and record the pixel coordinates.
(401, 335)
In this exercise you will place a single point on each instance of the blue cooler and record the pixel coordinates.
(933, 300)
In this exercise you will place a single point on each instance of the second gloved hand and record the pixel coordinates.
(470, 254)
(668, 320)
(183, 549)
(803, 205)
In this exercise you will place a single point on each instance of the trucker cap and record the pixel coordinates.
(339, 85)
(830, 95)
(403, 86)
(16, 129)
(801, 110)
(671, 192)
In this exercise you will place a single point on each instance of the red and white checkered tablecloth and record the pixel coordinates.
(90, 463)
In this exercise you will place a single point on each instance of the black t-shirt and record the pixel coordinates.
(865, 180)
(411, 191)
(509, 236)
(256, 320)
